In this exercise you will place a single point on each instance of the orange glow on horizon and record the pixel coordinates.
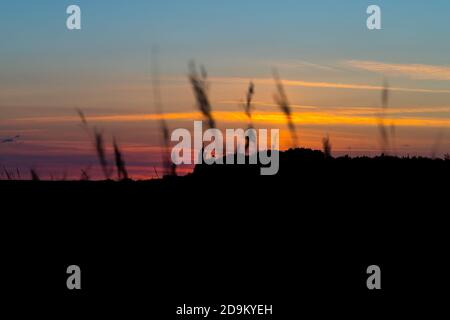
(316, 117)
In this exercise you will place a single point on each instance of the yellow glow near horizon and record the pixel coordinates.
(316, 117)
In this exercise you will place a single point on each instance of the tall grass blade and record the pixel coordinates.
(281, 100)
(200, 86)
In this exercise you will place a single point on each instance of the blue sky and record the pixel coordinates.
(232, 38)
(231, 32)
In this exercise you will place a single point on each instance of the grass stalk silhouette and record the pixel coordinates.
(122, 172)
(34, 175)
(281, 100)
(326, 146)
(387, 133)
(85, 174)
(248, 101)
(156, 172)
(248, 108)
(200, 86)
(7, 174)
(101, 153)
(169, 167)
(98, 141)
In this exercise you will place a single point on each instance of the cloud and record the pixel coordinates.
(326, 85)
(414, 71)
(320, 116)
(334, 85)
(301, 64)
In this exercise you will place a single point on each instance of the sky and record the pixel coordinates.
(332, 66)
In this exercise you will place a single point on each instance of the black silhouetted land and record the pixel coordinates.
(293, 164)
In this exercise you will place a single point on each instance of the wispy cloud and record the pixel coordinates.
(327, 116)
(414, 71)
(298, 64)
(326, 85)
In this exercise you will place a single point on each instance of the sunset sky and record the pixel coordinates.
(332, 67)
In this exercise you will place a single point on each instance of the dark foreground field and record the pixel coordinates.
(300, 240)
